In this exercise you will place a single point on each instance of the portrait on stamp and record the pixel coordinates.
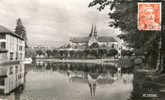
(149, 16)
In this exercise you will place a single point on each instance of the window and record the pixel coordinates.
(16, 69)
(16, 55)
(3, 45)
(2, 81)
(11, 70)
(2, 36)
(113, 45)
(11, 55)
(20, 48)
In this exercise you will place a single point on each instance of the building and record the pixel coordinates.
(12, 46)
(94, 40)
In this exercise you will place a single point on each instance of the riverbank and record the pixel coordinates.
(95, 61)
(9, 62)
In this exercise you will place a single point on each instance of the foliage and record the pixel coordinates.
(126, 53)
(124, 15)
(49, 53)
(40, 52)
(112, 52)
(102, 52)
(20, 30)
(94, 45)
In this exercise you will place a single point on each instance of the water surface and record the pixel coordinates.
(71, 81)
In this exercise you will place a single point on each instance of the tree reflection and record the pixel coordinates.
(145, 89)
(91, 74)
(18, 92)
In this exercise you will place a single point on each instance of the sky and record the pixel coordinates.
(54, 22)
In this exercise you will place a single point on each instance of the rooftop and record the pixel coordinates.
(86, 39)
(106, 39)
(7, 31)
(80, 39)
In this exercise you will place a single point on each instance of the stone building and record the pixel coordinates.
(94, 40)
(12, 46)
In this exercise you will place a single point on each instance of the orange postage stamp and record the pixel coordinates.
(149, 16)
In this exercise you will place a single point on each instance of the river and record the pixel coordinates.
(78, 81)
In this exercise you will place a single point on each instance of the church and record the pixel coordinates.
(93, 40)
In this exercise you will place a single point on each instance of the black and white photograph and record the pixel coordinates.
(82, 49)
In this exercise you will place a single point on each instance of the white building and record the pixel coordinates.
(12, 46)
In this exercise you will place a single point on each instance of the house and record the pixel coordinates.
(12, 46)
(94, 40)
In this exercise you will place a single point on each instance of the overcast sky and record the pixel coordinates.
(53, 22)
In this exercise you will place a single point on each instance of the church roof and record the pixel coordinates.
(92, 34)
(79, 39)
(106, 39)
(86, 39)
(7, 31)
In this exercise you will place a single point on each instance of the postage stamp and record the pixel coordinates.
(149, 16)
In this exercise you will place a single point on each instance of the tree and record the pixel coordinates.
(39, 52)
(124, 15)
(20, 30)
(112, 52)
(94, 45)
(102, 52)
(49, 53)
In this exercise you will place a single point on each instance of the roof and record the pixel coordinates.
(7, 31)
(79, 39)
(86, 39)
(4, 29)
(106, 39)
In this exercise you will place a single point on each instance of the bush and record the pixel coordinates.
(126, 53)
(138, 61)
(112, 52)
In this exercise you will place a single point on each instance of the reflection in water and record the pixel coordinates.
(71, 81)
(146, 89)
(92, 76)
(18, 92)
(92, 84)
(12, 78)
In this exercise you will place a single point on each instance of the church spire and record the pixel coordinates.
(90, 35)
(95, 31)
(19, 22)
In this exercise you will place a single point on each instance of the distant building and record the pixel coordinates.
(40, 47)
(94, 40)
(12, 46)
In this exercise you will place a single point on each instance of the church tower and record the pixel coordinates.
(95, 32)
(90, 35)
